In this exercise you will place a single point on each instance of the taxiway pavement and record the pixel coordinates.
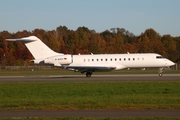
(94, 78)
(91, 113)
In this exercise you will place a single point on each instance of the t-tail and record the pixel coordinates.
(40, 51)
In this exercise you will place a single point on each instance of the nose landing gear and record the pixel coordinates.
(160, 72)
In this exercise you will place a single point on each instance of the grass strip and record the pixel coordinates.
(66, 72)
(84, 95)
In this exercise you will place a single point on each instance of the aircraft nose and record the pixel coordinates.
(170, 63)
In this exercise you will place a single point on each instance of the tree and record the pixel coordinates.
(85, 41)
(131, 48)
(170, 46)
(150, 41)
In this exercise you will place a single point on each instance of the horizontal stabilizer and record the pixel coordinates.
(28, 39)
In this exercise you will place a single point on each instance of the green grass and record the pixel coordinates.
(84, 95)
(66, 72)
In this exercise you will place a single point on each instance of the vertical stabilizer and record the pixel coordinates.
(37, 48)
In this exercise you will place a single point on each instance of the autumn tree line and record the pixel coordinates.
(86, 41)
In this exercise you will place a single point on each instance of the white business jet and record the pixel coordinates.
(93, 62)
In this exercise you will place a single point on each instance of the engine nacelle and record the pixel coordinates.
(62, 59)
(48, 61)
(38, 61)
(59, 60)
(56, 60)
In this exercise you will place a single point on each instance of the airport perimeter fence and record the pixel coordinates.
(40, 68)
(28, 68)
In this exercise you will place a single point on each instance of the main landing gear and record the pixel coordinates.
(88, 74)
(160, 72)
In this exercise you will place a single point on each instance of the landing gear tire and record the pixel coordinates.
(160, 72)
(88, 74)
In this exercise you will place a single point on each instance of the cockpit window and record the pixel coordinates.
(159, 57)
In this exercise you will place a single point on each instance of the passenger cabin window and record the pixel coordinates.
(159, 57)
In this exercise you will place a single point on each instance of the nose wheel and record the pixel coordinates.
(160, 72)
(88, 74)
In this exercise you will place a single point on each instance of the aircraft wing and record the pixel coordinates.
(90, 68)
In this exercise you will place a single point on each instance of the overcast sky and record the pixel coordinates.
(134, 15)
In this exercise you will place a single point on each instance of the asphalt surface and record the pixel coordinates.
(91, 113)
(94, 78)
